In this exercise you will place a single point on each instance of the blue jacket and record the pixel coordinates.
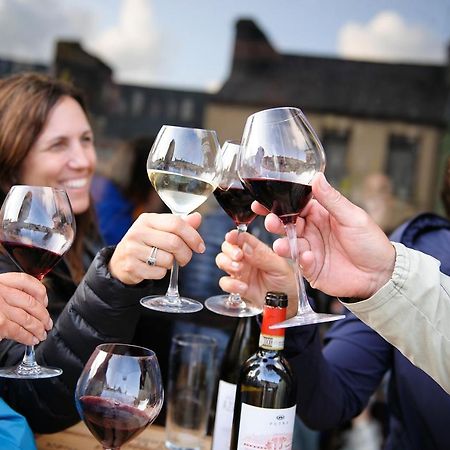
(335, 384)
(15, 434)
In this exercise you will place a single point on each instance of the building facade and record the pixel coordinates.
(370, 117)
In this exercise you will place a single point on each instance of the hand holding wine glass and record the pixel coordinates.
(23, 308)
(184, 166)
(119, 393)
(281, 154)
(236, 202)
(37, 227)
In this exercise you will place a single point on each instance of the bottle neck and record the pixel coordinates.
(272, 340)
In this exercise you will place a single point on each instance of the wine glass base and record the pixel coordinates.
(218, 304)
(30, 372)
(308, 318)
(166, 304)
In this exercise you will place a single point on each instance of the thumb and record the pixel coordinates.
(332, 200)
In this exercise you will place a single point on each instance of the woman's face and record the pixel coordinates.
(63, 155)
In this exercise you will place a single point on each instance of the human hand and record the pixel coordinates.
(173, 236)
(342, 251)
(23, 308)
(254, 270)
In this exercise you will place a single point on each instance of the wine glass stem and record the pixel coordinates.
(234, 299)
(172, 291)
(303, 303)
(29, 359)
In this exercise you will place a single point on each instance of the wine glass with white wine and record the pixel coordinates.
(184, 168)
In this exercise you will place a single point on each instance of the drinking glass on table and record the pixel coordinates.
(119, 393)
(280, 155)
(236, 202)
(184, 167)
(192, 379)
(37, 227)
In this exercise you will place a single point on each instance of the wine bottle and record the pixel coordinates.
(243, 343)
(264, 410)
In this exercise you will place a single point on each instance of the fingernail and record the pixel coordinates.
(44, 336)
(201, 248)
(35, 341)
(248, 250)
(49, 324)
(241, 286)
(235, 265)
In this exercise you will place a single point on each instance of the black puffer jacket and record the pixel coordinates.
(100, 309)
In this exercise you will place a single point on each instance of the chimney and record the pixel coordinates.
(252, 50)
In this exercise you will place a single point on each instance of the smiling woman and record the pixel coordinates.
(93, 293)
(49, 145)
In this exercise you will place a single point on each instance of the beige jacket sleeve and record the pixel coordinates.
(412, 312)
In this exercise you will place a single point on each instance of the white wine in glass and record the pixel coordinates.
(184, 167)
(281, 154)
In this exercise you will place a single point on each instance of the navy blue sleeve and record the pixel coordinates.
(336, 382)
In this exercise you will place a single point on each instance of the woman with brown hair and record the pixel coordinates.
(46, 139)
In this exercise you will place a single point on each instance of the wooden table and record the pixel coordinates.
(79, 437)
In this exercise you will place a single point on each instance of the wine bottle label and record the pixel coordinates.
(224, 416)
(263, 428)
(272, 339)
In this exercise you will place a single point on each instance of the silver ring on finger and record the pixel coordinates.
(151, 260)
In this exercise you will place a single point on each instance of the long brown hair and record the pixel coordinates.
(25, 102)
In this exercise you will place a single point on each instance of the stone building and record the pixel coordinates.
(371, 117)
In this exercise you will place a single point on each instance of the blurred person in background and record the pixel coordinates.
(336, 381)
(93, 293)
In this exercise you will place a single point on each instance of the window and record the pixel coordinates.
(401, 165)
(335, 144)
(187, 110)
(172, 108)
(137, 103)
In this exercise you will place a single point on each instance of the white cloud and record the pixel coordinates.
(387, 37)
(130, 46)
(28, 30)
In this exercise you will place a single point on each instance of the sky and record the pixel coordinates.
(188, 44)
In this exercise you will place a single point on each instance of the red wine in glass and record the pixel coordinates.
(235, 200)
(33, 260)
(37, 227)
(114, 423)
(119, 392)
(285, 199)
(280, 155)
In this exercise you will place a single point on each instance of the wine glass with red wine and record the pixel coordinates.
(280, 155)
(119, 393)
(37, 227)
(236, 201)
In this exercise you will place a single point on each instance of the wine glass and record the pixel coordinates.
(119, 393)
(37, 227)
(184, 166)
(281, 154)
(236, 202)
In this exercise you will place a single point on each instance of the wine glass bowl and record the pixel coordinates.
(280, 155)
(119, 392)
(37, 227)
(236, 201)
(184, 167)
